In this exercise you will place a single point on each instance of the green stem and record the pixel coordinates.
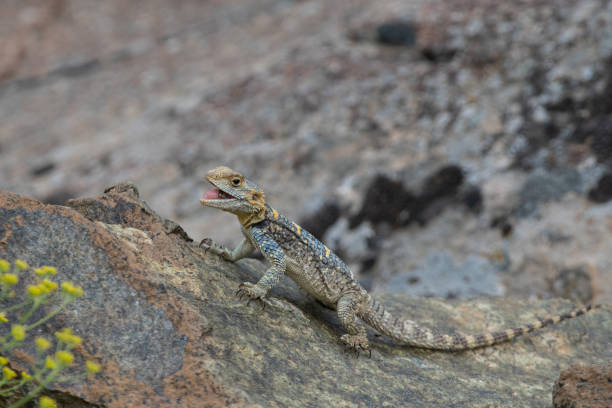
(26, 316)
(19, 385)
(17, 306)
(36, 390)
(49, 316)
(7, 346)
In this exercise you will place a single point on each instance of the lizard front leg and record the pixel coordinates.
(356, 339)
(275, 256)
(244, 249)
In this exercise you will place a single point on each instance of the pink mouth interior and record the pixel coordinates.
(211, 194)
(216, 194)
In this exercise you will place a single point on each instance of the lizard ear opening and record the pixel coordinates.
(258, 198)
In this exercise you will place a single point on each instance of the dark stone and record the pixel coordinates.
(318, 222)
(503, 224)
(77, 69)
(473, 199)
(435, 192)
(386, 200)
(443, 183)
(584, 387)
(601, 131)
(42, 169)
(602, 192)
(59, 197)
(397, 33)
(438, 54)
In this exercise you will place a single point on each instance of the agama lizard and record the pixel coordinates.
(290, 249)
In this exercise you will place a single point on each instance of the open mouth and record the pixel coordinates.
(216, 194)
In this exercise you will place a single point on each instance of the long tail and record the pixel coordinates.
(407, 331)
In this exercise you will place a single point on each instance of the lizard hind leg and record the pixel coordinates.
(356, 339)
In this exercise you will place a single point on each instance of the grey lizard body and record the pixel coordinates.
(292, 250)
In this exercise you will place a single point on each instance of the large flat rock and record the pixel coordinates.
(161, 316)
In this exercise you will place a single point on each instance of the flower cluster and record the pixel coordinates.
(15, 324)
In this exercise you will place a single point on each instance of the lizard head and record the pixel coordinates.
(235, 194)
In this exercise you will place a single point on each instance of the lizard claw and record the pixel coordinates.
(207, 242)
(251, 292)
(356, 343)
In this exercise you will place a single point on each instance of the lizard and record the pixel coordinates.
(291, 250)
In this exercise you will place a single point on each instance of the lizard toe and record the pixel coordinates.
(356, 343)
(251, 292)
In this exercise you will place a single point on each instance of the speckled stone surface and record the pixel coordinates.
(161, 316)
(584, 387)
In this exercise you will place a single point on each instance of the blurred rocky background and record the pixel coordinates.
(441, 148)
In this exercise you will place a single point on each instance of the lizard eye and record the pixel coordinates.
(236, 181)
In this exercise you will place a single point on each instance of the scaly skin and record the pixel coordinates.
(290, 249)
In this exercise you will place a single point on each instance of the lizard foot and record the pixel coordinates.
(252, 292)
(206, 243)
(356, 343)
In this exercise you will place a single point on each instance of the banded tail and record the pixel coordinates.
(407, 331)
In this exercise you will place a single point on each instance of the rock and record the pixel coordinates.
(602, 192)
(542, 186)
(573, 284)
(440, 276)
(321, 219)
(385, 200)
(397, 33)
(583, 386)
(161, 317)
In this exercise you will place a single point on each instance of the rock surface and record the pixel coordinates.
(584, 387)
(161, 317)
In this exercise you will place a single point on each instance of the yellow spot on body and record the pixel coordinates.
(275, 214)
(448, 339)
(327, 251)
(556, 319)
(490, 338)
(525, 330)
(537, 325)
(298, 229)
(470, 339)
(510, 333)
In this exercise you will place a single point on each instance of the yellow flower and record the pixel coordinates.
(50, 363)
(21, 265)
(67, 287)
(26, 375)
(72, 290)
(10, 278)
(50, 286)
(18, 332)
(64, 357)
(8, 373)
(46, 402)
(67, 337)
(75, 341)
(49, 270)
(92, 367)
(39, 271)
(3, 361)
(34, 290)
(64, 334)
(42, 343)
(3, 318)
(5, 265)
